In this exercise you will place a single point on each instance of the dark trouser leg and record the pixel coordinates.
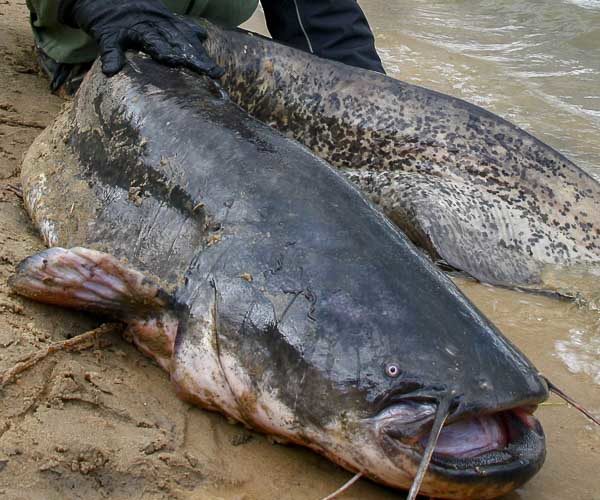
(333, 29)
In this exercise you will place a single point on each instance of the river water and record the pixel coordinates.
(537, 64)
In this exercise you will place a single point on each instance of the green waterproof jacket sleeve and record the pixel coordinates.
(68, 45)
(60, 42)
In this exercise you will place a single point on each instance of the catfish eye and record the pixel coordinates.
(392, 370)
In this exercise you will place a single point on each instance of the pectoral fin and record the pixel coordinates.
(89, 280)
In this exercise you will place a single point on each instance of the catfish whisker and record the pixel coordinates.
(571, 401)
(344, 487)
(440, 418)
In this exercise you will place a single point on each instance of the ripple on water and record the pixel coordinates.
(587, 4)
(581, 353)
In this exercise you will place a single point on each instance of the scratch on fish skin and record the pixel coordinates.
(215, 331)
(288, 306)
(299, 390)
(176, 238)
(145, 230)
(312, 298)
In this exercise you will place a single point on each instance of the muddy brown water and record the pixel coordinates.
(106, 424)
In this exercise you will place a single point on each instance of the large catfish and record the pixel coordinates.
(269, 289)
(471, 188)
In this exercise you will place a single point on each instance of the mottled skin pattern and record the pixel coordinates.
(280, 296)
(470, 187)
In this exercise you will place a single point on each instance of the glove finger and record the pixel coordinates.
(199, 62)
(193, 52)
(198, 31)
(216, 72)
(111, 54)
(189, 60)
(161, 50)
(176, 46)
(156, 45)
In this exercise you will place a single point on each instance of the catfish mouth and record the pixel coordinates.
(507, 444)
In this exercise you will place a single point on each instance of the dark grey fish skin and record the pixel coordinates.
(473, 189)
(294, 297)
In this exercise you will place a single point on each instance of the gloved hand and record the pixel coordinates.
(146, 25)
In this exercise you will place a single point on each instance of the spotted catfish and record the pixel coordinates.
(270, 290)
(471, 188)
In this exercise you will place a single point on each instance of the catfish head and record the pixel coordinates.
(363, 385)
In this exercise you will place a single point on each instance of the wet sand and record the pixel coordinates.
(105, 423)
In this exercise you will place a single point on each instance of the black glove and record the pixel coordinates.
(146, 25)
